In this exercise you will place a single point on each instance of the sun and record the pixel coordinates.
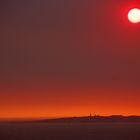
(134, 15)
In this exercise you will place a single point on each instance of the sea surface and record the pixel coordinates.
(69, 131)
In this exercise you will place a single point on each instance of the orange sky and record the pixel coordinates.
(63, 102)
(87, 51)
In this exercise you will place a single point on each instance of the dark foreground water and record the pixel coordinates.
(44, 131)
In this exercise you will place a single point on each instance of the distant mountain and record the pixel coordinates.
(95, 119)
(86, 119)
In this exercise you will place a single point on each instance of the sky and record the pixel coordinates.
(68, 58)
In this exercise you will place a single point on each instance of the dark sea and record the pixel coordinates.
(70, 131)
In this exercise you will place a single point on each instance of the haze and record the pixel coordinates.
(68, 58)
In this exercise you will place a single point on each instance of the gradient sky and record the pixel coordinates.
(68, 58)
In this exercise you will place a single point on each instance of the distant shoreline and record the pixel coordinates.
(84, 119)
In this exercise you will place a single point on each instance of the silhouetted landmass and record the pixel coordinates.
(95, 119)
(86, 119)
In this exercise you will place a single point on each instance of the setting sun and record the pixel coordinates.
(134, 15)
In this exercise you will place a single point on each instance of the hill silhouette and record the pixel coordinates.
(95, 119)
(85, 119)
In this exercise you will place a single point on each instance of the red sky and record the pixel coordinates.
(68, 58)
(57, 101)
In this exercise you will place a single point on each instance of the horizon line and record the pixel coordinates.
(61, 117)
